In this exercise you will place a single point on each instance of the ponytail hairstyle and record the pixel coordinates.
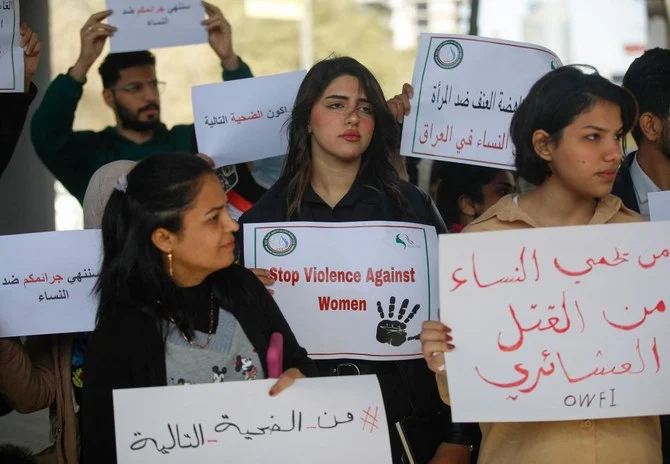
(155, 193)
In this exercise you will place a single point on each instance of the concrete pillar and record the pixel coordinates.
(658, 32)
(27, 205)
(27, 187)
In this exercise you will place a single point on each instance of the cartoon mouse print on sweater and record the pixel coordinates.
(245, 366)
(219, 374)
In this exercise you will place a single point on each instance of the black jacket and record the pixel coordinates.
(361, 203)
(128, 351)
(12, 117)
(623, 184)
(410, 387)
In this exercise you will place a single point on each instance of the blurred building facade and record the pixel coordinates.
(547, 22)
(659, 33)
(409, 18)
(567, 27)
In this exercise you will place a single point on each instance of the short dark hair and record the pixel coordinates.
(12, 454)
(648, 79)
(376, 164)
(457, 180)
(132, 277)
(552, 103)
(110, 69)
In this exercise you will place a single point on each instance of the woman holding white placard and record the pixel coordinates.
(568, 134)
(340, 168)
(174, 309)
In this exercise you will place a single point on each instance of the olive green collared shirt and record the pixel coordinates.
(73, 156)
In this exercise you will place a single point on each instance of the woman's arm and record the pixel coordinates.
(266, 318)
(27, 380)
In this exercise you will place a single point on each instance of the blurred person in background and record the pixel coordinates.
(132, 91)
(647, 169)
(465, 191)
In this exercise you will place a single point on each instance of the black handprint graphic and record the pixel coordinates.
(392, 331)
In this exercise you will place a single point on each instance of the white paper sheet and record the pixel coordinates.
(46, 282)
(146, 25)
(466, 90)
(244, 120)
(557, 323)
(350, 289)
(325, 420)
(11, 54)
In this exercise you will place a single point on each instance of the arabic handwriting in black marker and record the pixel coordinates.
(223, 426)
(464, 102)
(142, 442)
(14, 281)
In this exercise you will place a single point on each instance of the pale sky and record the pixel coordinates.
(599, 29)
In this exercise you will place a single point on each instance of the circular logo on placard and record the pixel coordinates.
(279, 242)
(448, 54)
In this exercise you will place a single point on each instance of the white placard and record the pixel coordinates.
(466, 90)
(244, 120)
(350, 289)
(557, 323)
(46, 282)
(11, 54)
(325, 420)
(659, 206)
(146, 25)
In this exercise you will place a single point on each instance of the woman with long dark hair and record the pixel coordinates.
(342, 140)
(174, 309)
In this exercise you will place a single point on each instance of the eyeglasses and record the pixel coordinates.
(138, 87)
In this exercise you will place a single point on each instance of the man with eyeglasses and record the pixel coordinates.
(131, 90)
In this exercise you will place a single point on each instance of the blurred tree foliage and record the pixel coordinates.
(341, 27)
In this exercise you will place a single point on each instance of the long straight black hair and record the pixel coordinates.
(154, 194)
(376, 169)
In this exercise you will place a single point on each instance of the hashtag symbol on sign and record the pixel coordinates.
(370, 419)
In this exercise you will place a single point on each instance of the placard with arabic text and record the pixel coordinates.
(11, 53)
(46, 282)
(557, 323)
(240, 422)
(466, 90)
(154, 24)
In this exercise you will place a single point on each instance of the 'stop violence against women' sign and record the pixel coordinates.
(350, 289)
